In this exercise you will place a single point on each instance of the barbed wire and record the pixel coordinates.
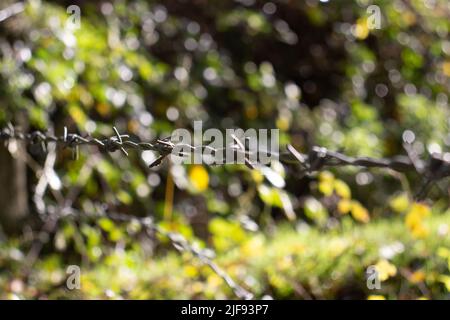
(318, 158)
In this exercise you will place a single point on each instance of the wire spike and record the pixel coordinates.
(119, 137)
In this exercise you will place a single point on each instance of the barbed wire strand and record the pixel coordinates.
(318, 158)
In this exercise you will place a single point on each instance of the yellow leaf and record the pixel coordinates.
(342, 189)
(361, 30)
(199, 177)
(326, 180)
(214, 281)
(376, 297)
(282, 123)
(399, 203)
(422, 209)
(414, 219)
(326, 188)
(417, 277)
(253, 248)
(103, 108)
(419, 231)
(359, 212)
(77, 115)
(124, 197)
(326, 176)
(257, 176)
(446, 68)
(385, 269)
(344, 206)
(409, 18)
(191, 271)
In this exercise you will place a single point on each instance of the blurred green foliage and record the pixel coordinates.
(312, 69)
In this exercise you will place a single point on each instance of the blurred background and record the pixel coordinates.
(316, 70)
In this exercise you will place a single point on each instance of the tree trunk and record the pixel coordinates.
(13, 190)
